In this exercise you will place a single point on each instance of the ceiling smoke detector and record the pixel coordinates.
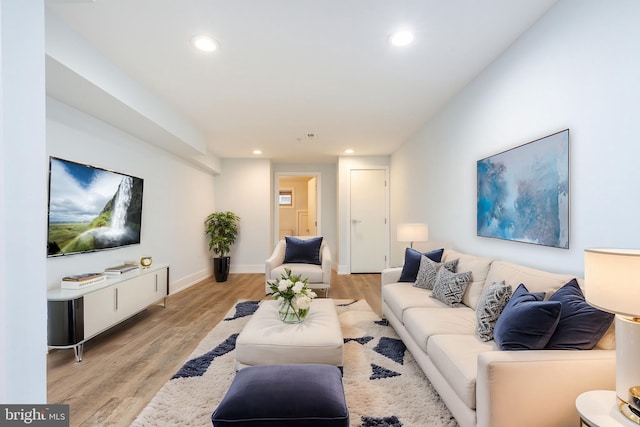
(311, 135)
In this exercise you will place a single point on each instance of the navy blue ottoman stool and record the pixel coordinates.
(284, 395)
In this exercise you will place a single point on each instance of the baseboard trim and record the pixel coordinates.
(247, 268)
(344, 269)
(190, 280)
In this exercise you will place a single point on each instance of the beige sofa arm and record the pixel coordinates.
(325, 259)
(538, 388)
(391, 275)
(275, 260)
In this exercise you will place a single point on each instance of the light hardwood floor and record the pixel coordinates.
(123, 368)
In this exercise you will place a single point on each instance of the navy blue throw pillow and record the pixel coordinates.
(527, 322)
(302, 251)
(581, 325)
(412, 263)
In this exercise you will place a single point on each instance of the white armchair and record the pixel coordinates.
(319, 275)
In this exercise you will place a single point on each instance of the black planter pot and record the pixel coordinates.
(221, 268)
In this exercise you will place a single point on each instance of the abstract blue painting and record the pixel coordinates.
(523, 193)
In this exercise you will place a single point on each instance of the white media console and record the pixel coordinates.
(77, 315)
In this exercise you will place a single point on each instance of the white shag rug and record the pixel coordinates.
(383, 384)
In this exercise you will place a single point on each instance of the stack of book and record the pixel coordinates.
(120, 269)
(79, 281)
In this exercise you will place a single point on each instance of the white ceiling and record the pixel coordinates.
(286, 68)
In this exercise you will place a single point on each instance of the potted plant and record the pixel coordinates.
(222, 229)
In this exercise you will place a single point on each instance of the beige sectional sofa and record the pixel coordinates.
(482, 385)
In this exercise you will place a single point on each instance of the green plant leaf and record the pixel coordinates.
(222, 229)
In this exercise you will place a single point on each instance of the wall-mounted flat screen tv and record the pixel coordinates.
(91, 209)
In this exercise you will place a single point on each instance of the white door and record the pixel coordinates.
(368, 220)
(303, 224)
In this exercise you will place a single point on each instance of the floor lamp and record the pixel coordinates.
(612, 283)
(412, 232)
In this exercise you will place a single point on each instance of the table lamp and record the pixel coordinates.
(412, 232)
(612, 283)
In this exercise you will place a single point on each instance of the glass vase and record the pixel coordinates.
(288, 313)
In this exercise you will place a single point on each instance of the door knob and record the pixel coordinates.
(355, 221)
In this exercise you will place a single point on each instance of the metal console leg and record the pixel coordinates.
(78, 349)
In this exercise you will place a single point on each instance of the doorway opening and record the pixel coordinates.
(298, 201)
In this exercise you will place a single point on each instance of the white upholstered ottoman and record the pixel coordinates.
(267, 340)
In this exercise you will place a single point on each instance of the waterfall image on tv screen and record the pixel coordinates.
(91, 209)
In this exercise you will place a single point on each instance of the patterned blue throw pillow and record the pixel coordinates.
(449, 287)
(428, 270)
(492, 301)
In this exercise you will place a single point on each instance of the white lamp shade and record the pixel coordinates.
(612, 280)
(612, 283)
(413, 232)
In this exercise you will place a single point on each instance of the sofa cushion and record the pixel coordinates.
(449, 287)
(456, 357)
(310, 271)
(534, 280)
(401, 296)
(423, 323)
(608, 340)
(412, 263)
(479, 268)
(492, 301)
(428, 271)
(527, 322)
(581, 325)
(304, 251)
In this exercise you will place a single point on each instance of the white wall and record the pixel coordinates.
(576, 68)
(80, 76)
(177, 197)
(23, 308)
(244, 188)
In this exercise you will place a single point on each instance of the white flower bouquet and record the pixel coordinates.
(294, 296)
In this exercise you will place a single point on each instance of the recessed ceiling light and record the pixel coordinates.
(348, 151)
(204, 43)
(401, 38)
(256, 152)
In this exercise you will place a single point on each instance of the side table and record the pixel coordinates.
(598, 408)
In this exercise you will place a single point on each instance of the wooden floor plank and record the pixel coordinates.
(124, 367)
